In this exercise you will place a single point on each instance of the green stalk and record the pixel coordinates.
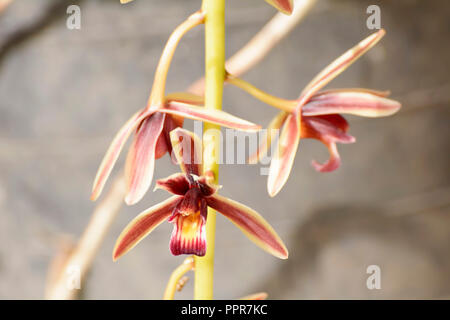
(214, 79)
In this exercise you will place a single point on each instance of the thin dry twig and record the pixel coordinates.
(82, 255)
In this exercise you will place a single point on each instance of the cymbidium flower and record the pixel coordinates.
(153, 124)
(316, 115)
(187, 209)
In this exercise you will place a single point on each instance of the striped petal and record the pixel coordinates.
(113, 152)
(142, 225)
(285, 6)
(209, 115)
(189, 232)
(268, 136)
(140, 162)
(283, 159)
(176, 184)
(251, 223)
(362, 104)
(187, 149)
(339, 65)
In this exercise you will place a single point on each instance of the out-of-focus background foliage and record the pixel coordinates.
(63, 95)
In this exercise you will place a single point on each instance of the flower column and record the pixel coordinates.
(214, 79)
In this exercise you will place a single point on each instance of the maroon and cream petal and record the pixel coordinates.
(187, 149)
(113, 152)
(283, 159)
(285, 6)
(267, 137)
(209, 115)
(189, 232)
(362, 104)
(338, 66)
(176, 184)
(140, 162)
(251, 223)
(142, 225)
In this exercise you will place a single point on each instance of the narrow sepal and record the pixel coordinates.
(142, 225)
(358, 103)
(285, 6)
(266, 139)
(251, 223)
(339, 65)
(187, 149)
(140, 162)
(176, 184)
(113, 152)
(209, 115)
(283, 159)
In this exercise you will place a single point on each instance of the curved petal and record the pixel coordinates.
(339, 65)
(140, 162)
(351, 102)
(176, 184)
(251, 223)
(285, 6)
(187, 149)
(142, 225)
(113, 152)
(333, 163)
(209, 115)
(268, 136)
(283, 159)
(328, 130)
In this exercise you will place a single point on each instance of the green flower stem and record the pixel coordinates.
(214, 80)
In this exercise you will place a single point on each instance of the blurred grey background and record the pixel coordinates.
(63, 95)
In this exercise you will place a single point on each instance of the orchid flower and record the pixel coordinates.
(187, 209)
(153, 124)
(316, 115)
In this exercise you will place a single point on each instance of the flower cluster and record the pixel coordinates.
(158, 129)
